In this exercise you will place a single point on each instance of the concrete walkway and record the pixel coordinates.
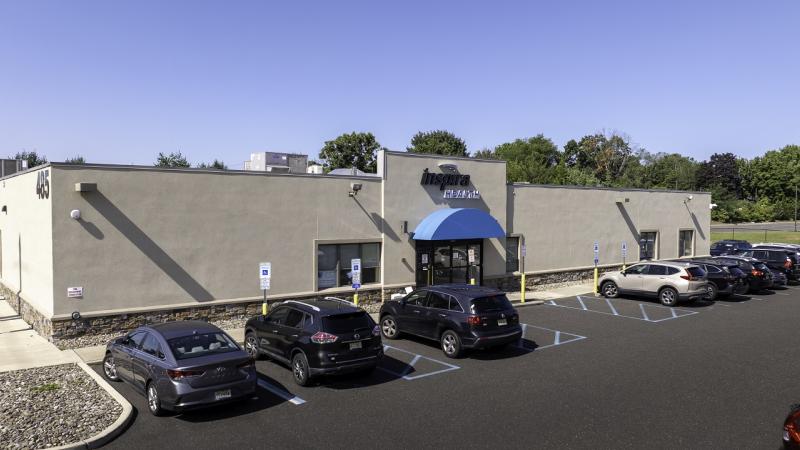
(540, 296)
(23, 348)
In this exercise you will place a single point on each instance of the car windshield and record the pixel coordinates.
(204, 344)
(491, 303)
(346, 323)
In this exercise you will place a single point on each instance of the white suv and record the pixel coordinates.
(668, 281)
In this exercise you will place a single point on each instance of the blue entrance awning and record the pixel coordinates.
(458, 223)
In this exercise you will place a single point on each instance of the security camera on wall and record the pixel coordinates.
(354, 188)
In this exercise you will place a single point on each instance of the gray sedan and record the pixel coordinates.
(181, 365)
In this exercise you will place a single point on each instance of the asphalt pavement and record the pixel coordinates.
(591, 373)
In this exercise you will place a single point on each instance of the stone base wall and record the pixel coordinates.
(38, 321)
(88, 331)
(544, 281)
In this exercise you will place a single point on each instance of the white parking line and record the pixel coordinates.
(288, 396)
(410, 366)
(556, 340)
(614, 312)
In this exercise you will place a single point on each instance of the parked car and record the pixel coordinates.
(778, 278)
(792, 270)
(181, 365)
(758, 275)
(459, 316)
(316, 337)
(723, 279)
(729, 247)
(775, 258)
(791, 429)
(670, 282)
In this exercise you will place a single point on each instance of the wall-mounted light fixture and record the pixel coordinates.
(85, 187)
(5, 209)
(688, 198)
(448, 167)
(354, 188)
(621, 200)
(75, 214)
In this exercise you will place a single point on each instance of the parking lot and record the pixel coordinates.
(589, 373)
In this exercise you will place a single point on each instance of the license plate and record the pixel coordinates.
(501, 322)
(222, 395)
(355, 346)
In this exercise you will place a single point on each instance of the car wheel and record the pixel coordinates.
(451, 344)
(300, 369)
(251, 345)
(712, 291)
(389, 328)
(668, 296)
(609, 289)
(110, 368)
(153, 400)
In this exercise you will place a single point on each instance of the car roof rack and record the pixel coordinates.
(302, 303)
(340, 300)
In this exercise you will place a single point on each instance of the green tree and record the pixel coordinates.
(75, 160)
(439, 142)
(171, 160)
(484, 153)
(669, 171)
(351, 150)
(605, 156)
(31, 157)
(218, 165)
(721, 169)
(530, 160)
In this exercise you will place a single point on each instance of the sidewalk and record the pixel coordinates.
(23, 348)
(537, 297)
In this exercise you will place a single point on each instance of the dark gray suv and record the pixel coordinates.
(459, 316)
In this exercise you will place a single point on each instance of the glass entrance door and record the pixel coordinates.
(441, 262)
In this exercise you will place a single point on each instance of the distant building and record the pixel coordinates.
(351, 172)
(315, 169)
(9, 166)
(277, 162)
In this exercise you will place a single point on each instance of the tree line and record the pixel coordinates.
(744, 190)
(754, 190)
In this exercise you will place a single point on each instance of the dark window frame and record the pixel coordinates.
(339, 266)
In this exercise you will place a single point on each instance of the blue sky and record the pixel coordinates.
(119, 82)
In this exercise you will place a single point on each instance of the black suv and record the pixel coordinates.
(724, 279)
(758, 274)
(729, 247)
(459, 316)
(772, 254)
(316, 337)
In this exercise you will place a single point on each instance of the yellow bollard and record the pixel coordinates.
(264, 309)
(522, 288)
(355, 298)
(472, 281)
(595, 280)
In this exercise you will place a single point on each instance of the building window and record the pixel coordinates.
(512, 254)
(334, 264)
(685, 241)
(648, 240)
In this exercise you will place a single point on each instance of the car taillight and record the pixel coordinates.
(792, 427)
(181, 374)
(474, 320)
(688, 276)
(322, 337)
(787, 264)
(247, 364)
(757, 273)
(376, 330)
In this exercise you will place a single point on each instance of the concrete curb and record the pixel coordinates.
(113, 430)
(518, 304)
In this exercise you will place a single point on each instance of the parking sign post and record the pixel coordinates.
(355, 273)
(265, 278)
(522, 251)
(596, 260)
(624, 253)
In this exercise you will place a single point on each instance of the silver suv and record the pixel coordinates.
(668, 281)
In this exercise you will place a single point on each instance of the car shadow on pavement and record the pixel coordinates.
(390, 369)
(473, 353)
(262, 400)
(521, 348)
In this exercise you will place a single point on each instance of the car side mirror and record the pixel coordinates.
(161, 355)
(121, 341)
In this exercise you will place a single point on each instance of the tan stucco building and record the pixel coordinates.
(155, 244)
